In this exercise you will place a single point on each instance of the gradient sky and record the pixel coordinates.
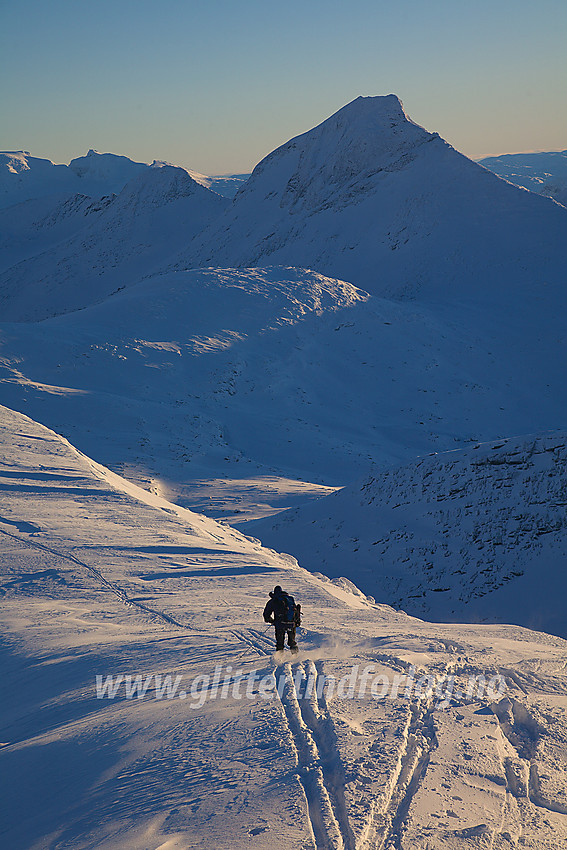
(214, 85)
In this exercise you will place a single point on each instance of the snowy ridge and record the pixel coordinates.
(103, 173)
(476, 535)
(24, 177)
(333, 163)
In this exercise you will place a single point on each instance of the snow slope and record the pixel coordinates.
(476, 535)
(63, 228)
(36, 226)
(544, 173)
(152, 216)
(220, 387)
(100, 578)
(370, 197)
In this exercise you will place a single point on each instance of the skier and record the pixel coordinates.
(282, 612)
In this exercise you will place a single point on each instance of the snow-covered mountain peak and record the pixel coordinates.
(371, 197)
(23, 176)
(156, 187)
(110, 169)
(336, 159)
(14, 161)
(371, 115)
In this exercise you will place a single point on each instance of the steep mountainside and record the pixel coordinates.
(370, 197)
(476, 535)
(128, 234)
(544, 173)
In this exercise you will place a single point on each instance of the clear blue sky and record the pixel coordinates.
(214, 85)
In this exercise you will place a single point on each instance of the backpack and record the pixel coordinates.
(285, 609)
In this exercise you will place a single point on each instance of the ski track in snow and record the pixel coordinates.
(522, 733)
(117, 591)
(279, 339)
(319, 767)
(419, 742)
(321, 772)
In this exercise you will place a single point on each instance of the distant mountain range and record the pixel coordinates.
(23, 177)
(544, 173)
(65, 255)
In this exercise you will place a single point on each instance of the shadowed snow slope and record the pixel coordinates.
(370, 197)
(544, 172)
(114, 242)
(101, 579)
(217, 375)
(467, 535)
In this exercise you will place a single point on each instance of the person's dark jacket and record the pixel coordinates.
(276, 610)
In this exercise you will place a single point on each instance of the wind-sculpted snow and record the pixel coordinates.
(476, 535)
(544, 173)
(115, 242)
(142, 706)
(370, 197)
